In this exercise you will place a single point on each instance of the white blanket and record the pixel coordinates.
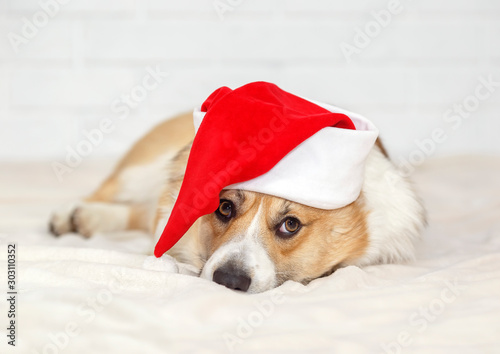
(104, 295)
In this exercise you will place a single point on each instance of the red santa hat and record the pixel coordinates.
(263, 139)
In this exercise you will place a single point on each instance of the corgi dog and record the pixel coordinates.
(253, 242)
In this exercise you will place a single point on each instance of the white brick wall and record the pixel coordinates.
(91, 52)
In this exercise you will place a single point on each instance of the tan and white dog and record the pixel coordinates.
(268, 240)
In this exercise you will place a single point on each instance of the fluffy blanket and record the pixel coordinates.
(106, 295)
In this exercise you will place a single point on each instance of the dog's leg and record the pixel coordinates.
(101, 212)
(127, 200)
(87, 218)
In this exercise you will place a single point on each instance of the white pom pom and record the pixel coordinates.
(165, 263)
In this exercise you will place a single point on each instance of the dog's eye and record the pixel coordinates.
(225, 210)
(289, 227)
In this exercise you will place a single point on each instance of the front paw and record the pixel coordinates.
(61, 221)
(89, 218)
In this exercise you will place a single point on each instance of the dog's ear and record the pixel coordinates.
(395, 214)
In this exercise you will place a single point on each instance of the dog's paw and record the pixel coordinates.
(61, 220)
(89, 218)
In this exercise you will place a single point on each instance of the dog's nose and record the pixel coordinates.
(232, 279)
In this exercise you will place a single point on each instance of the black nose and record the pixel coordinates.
(232, 278)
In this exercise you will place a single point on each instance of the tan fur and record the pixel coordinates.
(139, 218)
(173, 133)
(107, 191)
(168, 135)
(177, 167)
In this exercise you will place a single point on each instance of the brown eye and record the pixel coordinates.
(289, 227)
(225, 210)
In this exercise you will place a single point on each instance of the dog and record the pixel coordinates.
(253, 242)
